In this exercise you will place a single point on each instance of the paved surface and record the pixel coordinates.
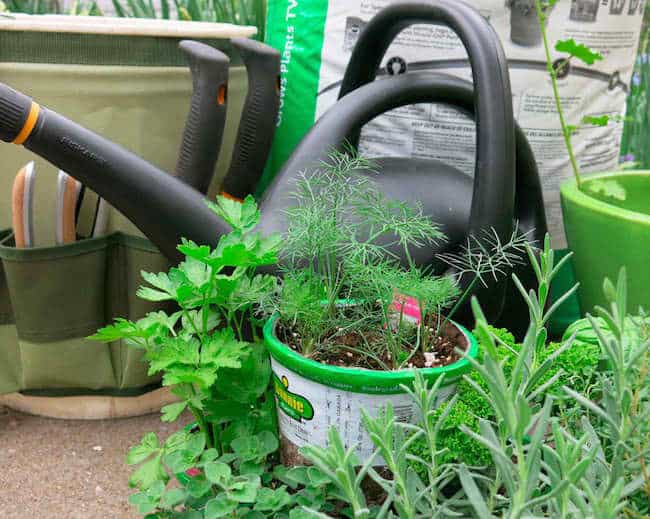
(68, 469)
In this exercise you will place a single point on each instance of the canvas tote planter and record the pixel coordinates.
(311, 396)
(126, 80)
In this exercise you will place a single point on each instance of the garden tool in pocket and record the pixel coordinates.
(22, 208)
(67, 198)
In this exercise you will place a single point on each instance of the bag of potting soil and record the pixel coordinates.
(316, 37)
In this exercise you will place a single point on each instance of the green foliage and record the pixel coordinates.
(578, 51)
(405, 492)
(348, 251)
(634, 151)
(573, 51)
(78, 7)
(240, 12)
(209, 352)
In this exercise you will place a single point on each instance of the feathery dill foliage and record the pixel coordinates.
(347, 241)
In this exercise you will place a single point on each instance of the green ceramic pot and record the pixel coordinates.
(607, 224)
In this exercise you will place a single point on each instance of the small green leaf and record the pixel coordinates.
(150, 294)
(120, 329)
(174, 351)
(272, 500)
(220, 506)
(268, 443)
(244, 489)
(247, 448)
(224, 351)
(306, 513)
(196, 443)
(172, 411)
(145, 504)
(241, 216)
(173, 497)
(179, 461)
(149, 473)
(601, 120)
(578, 51)
(149, 444)
(209, 455)
(251, 380)
(203, 377)
(217, 472)
(198, 487)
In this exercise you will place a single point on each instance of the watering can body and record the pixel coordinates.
(166, 209)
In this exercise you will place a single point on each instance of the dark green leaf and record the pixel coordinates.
(248, 383)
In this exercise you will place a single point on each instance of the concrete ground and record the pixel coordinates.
(68, 469)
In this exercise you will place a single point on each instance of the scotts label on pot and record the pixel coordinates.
(315, 39)
(308, 409)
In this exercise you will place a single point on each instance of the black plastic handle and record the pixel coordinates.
(163, 207)
(494, 186)
(207, 116)
(258, 119)
(349, 114)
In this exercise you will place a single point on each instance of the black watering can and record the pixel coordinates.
(505, 187)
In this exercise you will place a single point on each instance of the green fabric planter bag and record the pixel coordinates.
(126, 80)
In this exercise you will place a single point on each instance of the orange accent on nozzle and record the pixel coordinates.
(29, 124)
(231, 197)
(222, 94)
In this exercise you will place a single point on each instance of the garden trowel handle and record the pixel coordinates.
(205, 122)
(161, 206)
(258, 119)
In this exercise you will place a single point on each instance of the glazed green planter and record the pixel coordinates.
(607, 225)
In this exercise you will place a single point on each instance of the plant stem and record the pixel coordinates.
(200, 420)
(458, 303)
(566, 133)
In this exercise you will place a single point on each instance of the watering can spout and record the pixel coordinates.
(161, 206)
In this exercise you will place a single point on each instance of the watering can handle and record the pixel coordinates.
(347, 116)
(203, 131)
(258, 119)
(163, 207)
(494, 184)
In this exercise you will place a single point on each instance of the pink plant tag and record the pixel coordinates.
(193, 472)
(406, 306)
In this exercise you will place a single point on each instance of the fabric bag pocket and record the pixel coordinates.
(57, 296)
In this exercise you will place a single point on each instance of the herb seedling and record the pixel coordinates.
(350, 275)
(573, 51)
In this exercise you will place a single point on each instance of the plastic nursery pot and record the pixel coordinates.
(311, 397)
(607, 224)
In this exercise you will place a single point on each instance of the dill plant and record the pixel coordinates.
(348, 251)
